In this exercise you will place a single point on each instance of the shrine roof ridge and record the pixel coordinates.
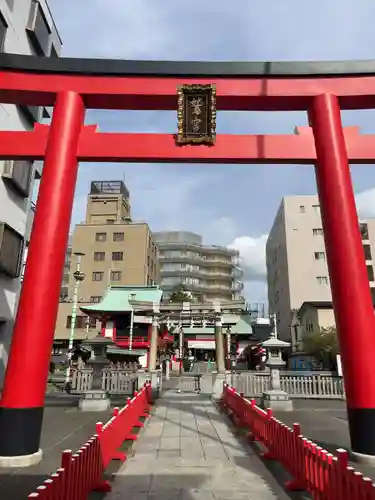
(188, 69)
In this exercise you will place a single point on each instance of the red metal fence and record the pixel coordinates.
(82, 472)
(313, 469)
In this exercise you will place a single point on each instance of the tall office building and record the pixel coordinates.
(297, 271)
(117, 251)
(26, 27)
(210, 271)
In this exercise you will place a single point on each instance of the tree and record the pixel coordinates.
(180, 294)
(322, 345)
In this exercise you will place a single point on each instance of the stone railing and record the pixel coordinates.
(202, 367)
(82, 380)
(314, 385)
(114, 381)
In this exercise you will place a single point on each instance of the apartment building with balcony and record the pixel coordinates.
(116, 251)
(26, 27)
(212, 272)
(299, 289)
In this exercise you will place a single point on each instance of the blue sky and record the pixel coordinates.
(227, 204)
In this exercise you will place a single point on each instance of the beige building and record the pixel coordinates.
(64, 292)
(210, 271)
(116, 251)
(297, 270)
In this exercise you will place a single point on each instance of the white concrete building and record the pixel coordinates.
(211, 271)
(297, 270)
(26, 27)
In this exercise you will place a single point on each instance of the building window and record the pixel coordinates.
(97, 276)
(367, 250)
(3, 32)
(95, 299)
(117, 255)
(98, 256)
(118, 236)
(364, 231)
(320, 256)
(101, 237)
(116, 275)
(302, 209)
(322, 280)
(318, 231)
(316, 208)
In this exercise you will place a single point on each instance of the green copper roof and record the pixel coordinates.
(243, 326)
(117, 298)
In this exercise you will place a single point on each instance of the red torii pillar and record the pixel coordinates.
(22, 401)
(351, 296)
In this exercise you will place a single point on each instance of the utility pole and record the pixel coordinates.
(78, 277)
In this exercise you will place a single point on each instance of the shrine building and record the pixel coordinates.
(124, 322)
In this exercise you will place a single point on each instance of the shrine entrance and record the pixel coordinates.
(196, 91)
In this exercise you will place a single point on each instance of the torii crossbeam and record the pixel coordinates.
(149, 148)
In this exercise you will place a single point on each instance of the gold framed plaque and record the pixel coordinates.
(196, 114)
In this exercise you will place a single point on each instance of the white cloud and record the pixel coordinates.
(366, 204)
(220, 231)
(253, 255)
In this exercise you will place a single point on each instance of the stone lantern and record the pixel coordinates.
(274, 397)
(96, 399)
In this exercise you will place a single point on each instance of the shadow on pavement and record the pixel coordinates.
(272, 471)
(161, 486)
(64, 427)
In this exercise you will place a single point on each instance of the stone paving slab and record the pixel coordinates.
(188, 451)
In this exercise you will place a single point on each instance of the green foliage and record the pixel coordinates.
(322, 345)
(180, 295)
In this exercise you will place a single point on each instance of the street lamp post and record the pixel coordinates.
(132, 297)
(274, 319)
(229, 340)
(78, 277)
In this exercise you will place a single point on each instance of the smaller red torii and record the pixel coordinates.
(97, 146)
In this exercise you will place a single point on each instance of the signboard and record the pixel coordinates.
(196, 114)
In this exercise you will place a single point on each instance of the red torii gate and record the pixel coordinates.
(72, 85)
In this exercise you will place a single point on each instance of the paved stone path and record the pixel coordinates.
(188, 451)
